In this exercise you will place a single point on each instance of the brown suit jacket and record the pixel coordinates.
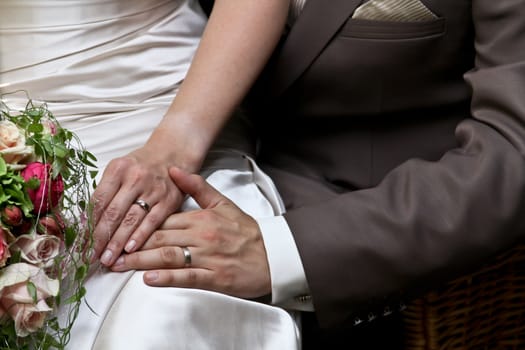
(399, 148)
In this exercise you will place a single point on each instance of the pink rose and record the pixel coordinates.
(38, 249)
(29, 317)
(48, 194)
(4, 247)
(16, 301)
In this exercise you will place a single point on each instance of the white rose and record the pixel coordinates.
(13, 146)
(10, 135)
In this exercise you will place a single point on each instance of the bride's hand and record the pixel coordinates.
(134, 196)
(219, 248)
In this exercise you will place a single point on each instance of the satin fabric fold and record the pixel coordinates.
(109, 78)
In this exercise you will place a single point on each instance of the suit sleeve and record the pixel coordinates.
(427, 222)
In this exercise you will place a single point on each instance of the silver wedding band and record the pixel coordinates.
(142, 203)
(187, 256)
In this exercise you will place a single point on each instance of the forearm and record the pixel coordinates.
(237, 42)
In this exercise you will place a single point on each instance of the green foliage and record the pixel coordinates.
(13, 189)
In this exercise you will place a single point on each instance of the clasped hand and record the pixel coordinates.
(227, 251)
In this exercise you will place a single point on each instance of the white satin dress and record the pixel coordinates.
(109, 69)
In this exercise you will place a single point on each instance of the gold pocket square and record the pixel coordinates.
(394, 11)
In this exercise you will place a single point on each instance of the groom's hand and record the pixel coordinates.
(226, 246)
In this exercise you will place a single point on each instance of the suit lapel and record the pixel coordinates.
(315, 26)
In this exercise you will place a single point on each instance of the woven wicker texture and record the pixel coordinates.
(483, 310)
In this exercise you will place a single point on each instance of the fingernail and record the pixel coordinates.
(106, 257)
(119, 262)
(130, 246)
(151, 276)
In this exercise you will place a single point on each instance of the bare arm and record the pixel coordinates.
(236, 44)
(238, 40)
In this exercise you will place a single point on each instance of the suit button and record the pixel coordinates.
(387, 311)
(402, 306)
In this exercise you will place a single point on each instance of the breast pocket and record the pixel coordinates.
(373, 67)
(385, 30)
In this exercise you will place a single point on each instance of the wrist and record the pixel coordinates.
(176, 149)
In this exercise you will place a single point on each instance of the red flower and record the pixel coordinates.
(23, 228)
(48, 194)
(51, 226)
(12, 215)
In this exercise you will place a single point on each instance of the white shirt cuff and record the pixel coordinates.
(289, 285)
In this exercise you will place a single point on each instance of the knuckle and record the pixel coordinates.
(131, 219)
(170, 278)
(138, 176)
(117, 166)
(161, 182)
(214, 235)
(207, 216)
(158, 238)
(225, 281)
(112, 213)
(192, 277)
(123, 162)
(210, 236)
(168, 255)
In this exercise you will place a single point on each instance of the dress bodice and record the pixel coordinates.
(48, 32)
(101, 65)
(41, 37)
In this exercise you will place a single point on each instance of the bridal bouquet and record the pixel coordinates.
(44, 228)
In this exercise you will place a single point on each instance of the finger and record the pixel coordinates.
(182, 278)
(164, 238)
(169, 257)
(116, 243)
(194, 185)
(177, 221)
(115, 194)
(107, 188)
(102, 196)
(110, 219)
(152, 221)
